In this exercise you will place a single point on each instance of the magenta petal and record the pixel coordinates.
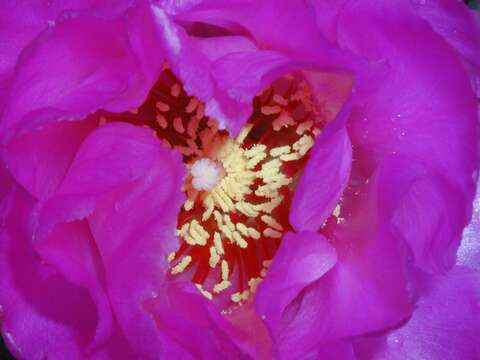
(227, 77)
(370, 287)
(411, 116)
(215, 48)
(185, 59)
(182, 313)
(469, 252)
(324, 178)
(134, 227)
(63, 74)
(115, 348)
(301, 259)
(110, 156)
(338, 350)
(411, 113)
(434, 239)
(39, 160)
(445, 324)
(248, 331)
(239, 77)
(23, 21)
(37, 302)
(459, 26)
(287, 26)
(71, 249)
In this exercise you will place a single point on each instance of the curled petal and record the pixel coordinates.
(63, 74)
(239, 77)
(459, 26)
(22, 22)
(400, 118)
(71, 249)
(370, 286)
(431, 219)
(226, 78)
(445, 324)
(40, 159)
(322, 182)
(411, 115)
(134, 252)
(110, 156)
(286, 26)
(182, 313)
(301, 259)
(37, 322)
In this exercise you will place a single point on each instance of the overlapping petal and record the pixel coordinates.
(226, 78)
(301, 260)
(134, 252)
(445, 324)
(79, 262)
(322, 183)
(22, 22)
(65, 75)
(37, 322)
(182, 313)
(111, 156)
(399, 154)
(460, 27)
(370, 287)
(411, 114)
(39, 160)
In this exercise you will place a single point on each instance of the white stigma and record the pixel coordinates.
(206, 174)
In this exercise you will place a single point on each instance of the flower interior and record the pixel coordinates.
(238, 189)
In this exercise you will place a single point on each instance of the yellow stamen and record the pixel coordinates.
(182, 265)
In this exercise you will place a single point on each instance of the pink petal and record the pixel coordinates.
(227, 79)
(338, 350)
(371, 286)
(301, 259)
(40, 159)
(428, 216)
(110, 156)
(23, 21)
(71, 249)
(37, 322)
(134, 227)
(187, 317)
(281, 34)
(248, 331)
(411, 115)
(445, 324)
(63, 74)
(459, 26)
(324, 178)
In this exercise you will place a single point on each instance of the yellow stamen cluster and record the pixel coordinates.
(238, 189)
(243, 168)
(241, 209)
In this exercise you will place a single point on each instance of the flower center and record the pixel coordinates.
(239, 189)
(206, 174)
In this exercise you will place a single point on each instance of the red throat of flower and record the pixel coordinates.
(239, 189)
